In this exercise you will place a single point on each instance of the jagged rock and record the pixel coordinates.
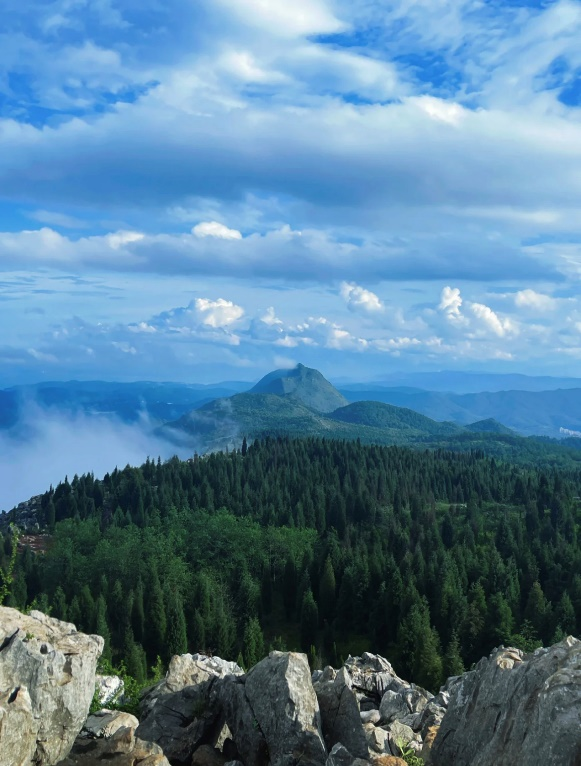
(370, 716)
(378, 740)
(374, 675)
(120, 749)
(109, 689)
(108, 739)
(18, 727)
(230, 699)
(340, 756)
(393, 707)
(180, 721)
(340, 715)
(55, 665)
(177, 712)
(105, 723)
(281, 695)
(515, 709)
(189, 670)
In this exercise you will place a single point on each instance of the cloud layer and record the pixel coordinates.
(239, 178)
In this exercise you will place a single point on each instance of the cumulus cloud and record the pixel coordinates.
(214, 229)
(219, 313)
(359, 299)
(451, 302)
(491, 321)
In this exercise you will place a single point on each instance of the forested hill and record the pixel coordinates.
(430, 558)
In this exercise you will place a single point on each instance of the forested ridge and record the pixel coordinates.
(430, 558)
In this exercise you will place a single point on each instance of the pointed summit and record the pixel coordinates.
(304, 385)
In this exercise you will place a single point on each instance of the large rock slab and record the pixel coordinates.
(54, 664)
(340, 714)
(177, 713)
(231, 700)
(285, 707)
(515, 709)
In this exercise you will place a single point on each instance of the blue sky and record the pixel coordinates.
(209, 189)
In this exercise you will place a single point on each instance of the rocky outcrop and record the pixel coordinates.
(340, 714)
(177, 713)
(108, 739)
(515, 709)
(280, 694)
(47, 681)
(511, 709)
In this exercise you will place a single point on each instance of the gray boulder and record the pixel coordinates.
(374, 675)
(181, 721)
(231, 700)
(108, 737)
(515, 709)
(340, 756)
(18, 727)
(340, 715)
(284, 703)
(47, 682)
(179, 713)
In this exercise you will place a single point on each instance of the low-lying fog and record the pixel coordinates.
(47, 446)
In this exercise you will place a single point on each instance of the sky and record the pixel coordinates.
(200, 190)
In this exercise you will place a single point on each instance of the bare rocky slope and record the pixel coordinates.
(511, 709)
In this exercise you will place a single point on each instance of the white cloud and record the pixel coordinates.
(530, 299)
(120, 238)
(219, 313)
(269, 318)
(440, 110)
(451, 302)
(215, 229)
(358, 298)
(491, 321)
(286, 19)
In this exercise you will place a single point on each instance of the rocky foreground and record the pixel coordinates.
(513, 709)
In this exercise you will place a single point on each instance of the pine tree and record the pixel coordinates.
(176, 635)
(327, 588)
(197, 633)
(289, 587)
(101, 626)
(157, 620)
(453, 665)
(253, 643)
(59, 605)
(266, 590)
(309, 621)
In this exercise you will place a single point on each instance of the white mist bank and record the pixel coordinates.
(47, 446)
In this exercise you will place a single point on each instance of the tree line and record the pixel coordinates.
(431, 558)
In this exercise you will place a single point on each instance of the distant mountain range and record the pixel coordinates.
(464, 382)
(555, 412)
(301, 402)
(542, 413)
